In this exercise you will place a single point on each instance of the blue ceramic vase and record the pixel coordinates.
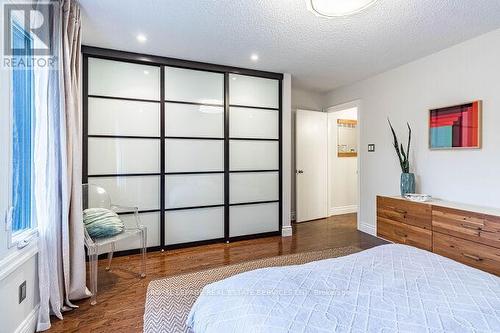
(407, 183)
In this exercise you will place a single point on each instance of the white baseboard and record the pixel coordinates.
(286, 231)
(343, 210)
(368, 228)
(29, 324)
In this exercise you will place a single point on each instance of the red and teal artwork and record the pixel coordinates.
(456, 127)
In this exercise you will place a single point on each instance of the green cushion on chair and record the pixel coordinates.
(102, 222)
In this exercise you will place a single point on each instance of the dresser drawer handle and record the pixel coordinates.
(400, 234)
(472, 227)
(473, 257)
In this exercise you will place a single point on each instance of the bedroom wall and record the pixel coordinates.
(465, 72)
(304, 100)
(15, 317)
(16, 265)
(287, 154)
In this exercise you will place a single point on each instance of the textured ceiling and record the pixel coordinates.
(321, 54)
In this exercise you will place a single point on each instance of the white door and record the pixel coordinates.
(311, 163)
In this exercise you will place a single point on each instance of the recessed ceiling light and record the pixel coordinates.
(142, 38)
(254, 57)
(334, 8)
(146, 72)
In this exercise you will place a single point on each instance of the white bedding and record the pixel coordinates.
(389, 288)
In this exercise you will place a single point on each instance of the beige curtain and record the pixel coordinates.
(58, 147)
(73, 235)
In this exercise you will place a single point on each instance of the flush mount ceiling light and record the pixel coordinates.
(335, 8)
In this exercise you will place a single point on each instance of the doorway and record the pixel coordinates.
(342, 160)
(327, 162)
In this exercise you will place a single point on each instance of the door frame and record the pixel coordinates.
(339, 107)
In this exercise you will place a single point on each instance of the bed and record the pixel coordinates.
(389, 288)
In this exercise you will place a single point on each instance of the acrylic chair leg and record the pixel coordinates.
(143, 252)
(93, 277)
(110, 256)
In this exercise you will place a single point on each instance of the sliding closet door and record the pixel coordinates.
(123, 139)
(254, 155)
(195, 146)
(194, 156)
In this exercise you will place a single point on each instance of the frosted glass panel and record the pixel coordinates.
(151, 221)
(253, 91)
(253, 123)
(194, 155)
(112, 155)
(194, 86)
(123, 79)
(253, 219)
(135, 191)
(193, 225)
(194, 190)
(118, 117)
(254, 155)
(253, 186)
(194, 120)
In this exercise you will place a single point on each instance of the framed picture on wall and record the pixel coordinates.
(456, 127)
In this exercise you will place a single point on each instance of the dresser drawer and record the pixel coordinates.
(476, 227)
(484, 257)
(404, 211)
(402, 233)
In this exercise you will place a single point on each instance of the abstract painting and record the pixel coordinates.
(456, 127)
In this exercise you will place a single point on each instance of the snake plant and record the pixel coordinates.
(400, 151)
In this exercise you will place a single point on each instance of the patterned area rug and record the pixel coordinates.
(169, 300)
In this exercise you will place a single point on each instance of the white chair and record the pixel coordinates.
(97, 197)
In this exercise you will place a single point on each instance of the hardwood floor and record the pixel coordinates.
(121, 293)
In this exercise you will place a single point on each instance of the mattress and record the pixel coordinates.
(389, 288)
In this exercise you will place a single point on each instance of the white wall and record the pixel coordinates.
(287, 154)
(306, 100)
(16, 265)
(15, 317)
(342, 171)
(462, 73)
(303, 100)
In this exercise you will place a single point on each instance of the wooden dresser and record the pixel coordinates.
(468, 234)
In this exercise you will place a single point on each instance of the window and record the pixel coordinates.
(22, 133)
